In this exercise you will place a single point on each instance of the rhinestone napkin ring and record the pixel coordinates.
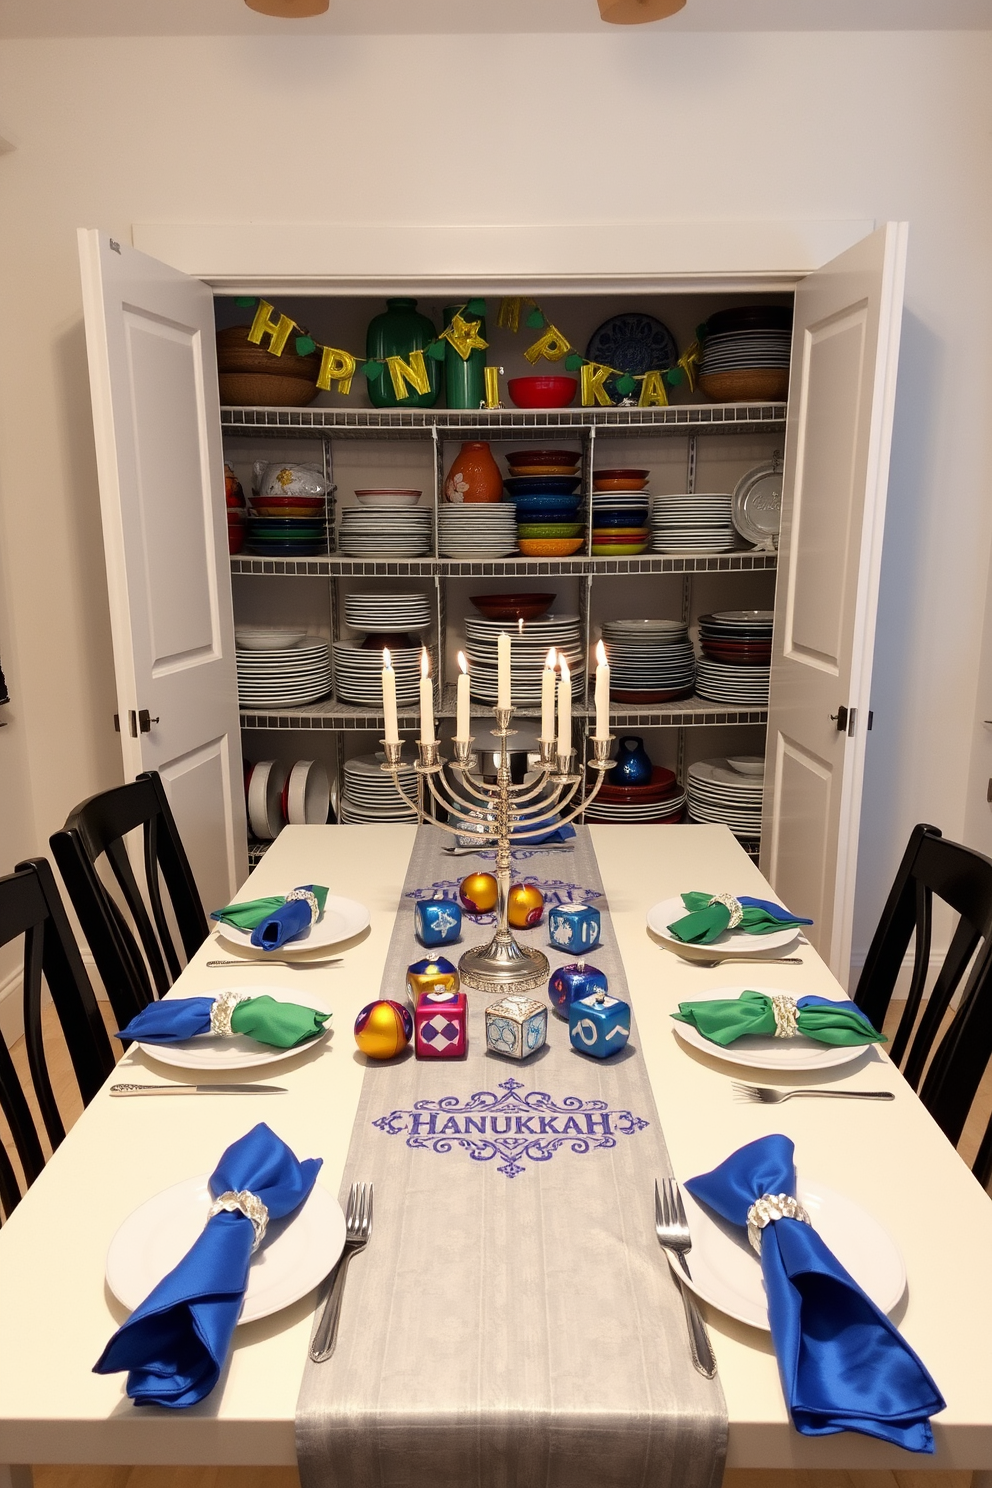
(769, 1207)
(786, 1015)
(222, 1010)
(310, 899)
(246, 1203)
(734, 905)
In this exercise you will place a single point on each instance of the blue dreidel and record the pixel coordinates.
(437, 921)
(574, 927)
(569, 983)
(599, 1025)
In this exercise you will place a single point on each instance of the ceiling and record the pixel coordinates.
(57, 18)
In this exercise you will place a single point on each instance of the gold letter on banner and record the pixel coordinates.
(264, 325)
(508, 318)
(413, 372)
(593, 377)
(653, 393)
(552, 345)
(336, 366)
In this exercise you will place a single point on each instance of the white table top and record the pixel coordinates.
(56, 1315)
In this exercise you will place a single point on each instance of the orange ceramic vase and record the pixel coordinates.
(474, 476)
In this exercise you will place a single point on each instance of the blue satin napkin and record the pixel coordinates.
(175, 1344)
(275, 920)
(283, 1025)
(844, 1366)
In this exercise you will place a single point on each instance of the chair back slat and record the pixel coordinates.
(31, 909)
(132, 940)
(947, 1067)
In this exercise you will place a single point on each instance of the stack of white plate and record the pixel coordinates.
(697, 523)
(272, 679)
(477, 529)
(370, 794)
(747, 685)
(358, 675)
(385, 532)
(649, 656)
(387, 613)
(728, 791)
(730, 351)
(669, 810)
(530, 649)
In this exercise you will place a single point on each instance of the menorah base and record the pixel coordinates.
(504, 966)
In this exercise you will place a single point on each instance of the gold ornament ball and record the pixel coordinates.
(478, 893)
(525, 906)
(383, 1029)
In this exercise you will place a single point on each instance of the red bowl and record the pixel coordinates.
(542, 392)
(649, 695)
(662, 780)
(513, 606)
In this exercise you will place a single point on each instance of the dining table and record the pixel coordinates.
(57, 1311)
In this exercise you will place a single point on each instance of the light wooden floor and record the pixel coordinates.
(286, 1477)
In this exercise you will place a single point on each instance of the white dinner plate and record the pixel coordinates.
(760, 1052)
(726, 1271)
(342, 918)
(729, 943)
(212, 1052)
(295, 1256)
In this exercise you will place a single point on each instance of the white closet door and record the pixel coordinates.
(153, 373)
(844, 353)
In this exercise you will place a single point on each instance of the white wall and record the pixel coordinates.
(642, 124)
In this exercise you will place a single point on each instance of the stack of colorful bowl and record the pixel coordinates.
(542, 486)
(620, 510)
(290, 526)
(661, 800)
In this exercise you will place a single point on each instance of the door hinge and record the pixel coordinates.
(145, 722)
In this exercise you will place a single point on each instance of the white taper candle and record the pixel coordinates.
(392, 730)
(503, 692)
(426, 699)
(564, 708)
(602, 693)
(548, 695)
(463, 726)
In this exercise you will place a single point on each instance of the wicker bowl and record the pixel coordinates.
(263, 390)
(750, 385)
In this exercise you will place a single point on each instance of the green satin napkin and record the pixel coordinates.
(281, 1024)
(706, 922)
(249, 914)
(817, 1018)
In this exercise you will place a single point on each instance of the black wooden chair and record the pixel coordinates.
(30, 907)
(133, 942)
(948, 1081)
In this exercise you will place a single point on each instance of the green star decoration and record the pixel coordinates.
(573, 362)
(625, 384)
(535, 319)
(246, 302)
(305, 345)
(372, 370)
(436, 351)
(674, 376)
(476, 307)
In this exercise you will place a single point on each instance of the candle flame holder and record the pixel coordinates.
(504, 816)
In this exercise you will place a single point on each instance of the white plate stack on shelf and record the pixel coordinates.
(697, 523)
(284, 676)
(735, 666)
(746, 686)
(477, 529)
(650, 660)
(384, 532)
(370, 795)
(387, 614)
(358, 675)
(530, 648)
(728, 791)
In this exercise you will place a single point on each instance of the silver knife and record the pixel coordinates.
(273, 961)
(198, 1090)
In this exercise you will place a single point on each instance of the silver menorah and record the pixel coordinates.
(503, 815)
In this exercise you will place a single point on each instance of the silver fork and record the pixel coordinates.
(358, 1226)
(742, 960)
(763, 1095)
(672, 1229)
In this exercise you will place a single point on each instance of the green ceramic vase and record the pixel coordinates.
(464, 381)
(399, 330)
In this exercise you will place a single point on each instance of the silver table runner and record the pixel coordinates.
(512, 1323)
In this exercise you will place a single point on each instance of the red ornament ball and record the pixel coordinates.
(525, 906)
(383, 1029)
(478, 893)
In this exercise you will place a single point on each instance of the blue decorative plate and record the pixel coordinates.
(542, 485)
(633, 343)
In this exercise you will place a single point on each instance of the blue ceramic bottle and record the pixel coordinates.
(633, 765)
